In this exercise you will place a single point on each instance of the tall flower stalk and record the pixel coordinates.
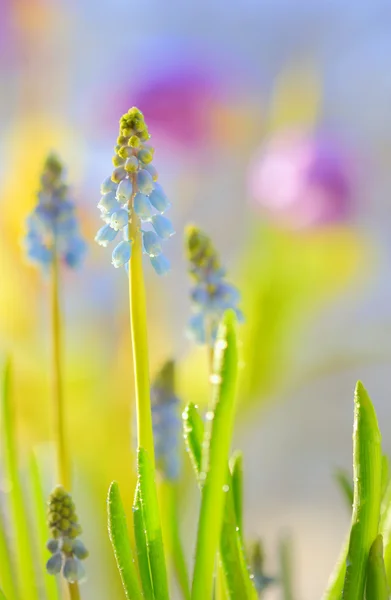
(133, 202)
(63, 468)
(53, 239)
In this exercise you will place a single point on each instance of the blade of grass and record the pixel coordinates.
(367, 473)
(335, 586)
(27, 584)
(286, 569)
(141, 547)
(153, 530)
(214, 463)
(232, 559)
(119, 537)
(376, 585)
(236, 468)
(220, 590)
(7, 574)
(2, 595)
(385, 528)
(193, 434)
(214, 471)
(39, 502)
(239, 583)
(345, 485)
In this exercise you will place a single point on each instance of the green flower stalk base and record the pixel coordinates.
(138, 321)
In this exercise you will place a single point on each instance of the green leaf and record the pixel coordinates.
(286, 569)
(24, 553)
(2, 595)
(236, 468)
(7, 574)
(376, 585)
(171, 534)
(232, 553)
(337, 577)
(214, 463)
(346, 486)
(141, 547)
(193, 433)
(233, 563)
(119, 537)
(39, 503)
(367, 474)
(153, 530)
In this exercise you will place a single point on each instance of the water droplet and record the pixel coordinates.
(221, 344)
(225, 488)
(215, 379)
(209, 415)
(202, 475)
(237, 529)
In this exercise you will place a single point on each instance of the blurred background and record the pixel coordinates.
(272, 132)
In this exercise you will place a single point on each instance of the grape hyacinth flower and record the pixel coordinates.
(167, 427)
(303, 180)
(211, 295)
(65, 546)
(52, 228)
(132, 200)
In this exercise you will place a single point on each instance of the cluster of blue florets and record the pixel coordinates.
(52, 227)
(132, 192)
(65, 546)
(167, 426)
(211, 295)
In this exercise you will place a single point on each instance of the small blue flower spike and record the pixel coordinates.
(166, 421)
(52, 228)
(65, 546)
(132, 193)
(211, 295)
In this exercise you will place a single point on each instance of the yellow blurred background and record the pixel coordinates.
(271, 127)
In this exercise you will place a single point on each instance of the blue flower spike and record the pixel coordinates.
(211, 295)
(166, 423)
(65, 546)
(132, 193)
(52, 228)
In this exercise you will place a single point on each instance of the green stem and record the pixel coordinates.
(63, 474)
(74, 592)
(21, 532)
(285, 552)
(141, 547)
(63, 467)
(38, 502)
(138, 320)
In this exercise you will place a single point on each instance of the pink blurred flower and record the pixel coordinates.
(303, 180)
(178, 85)
(5, 30)
(177, 102)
